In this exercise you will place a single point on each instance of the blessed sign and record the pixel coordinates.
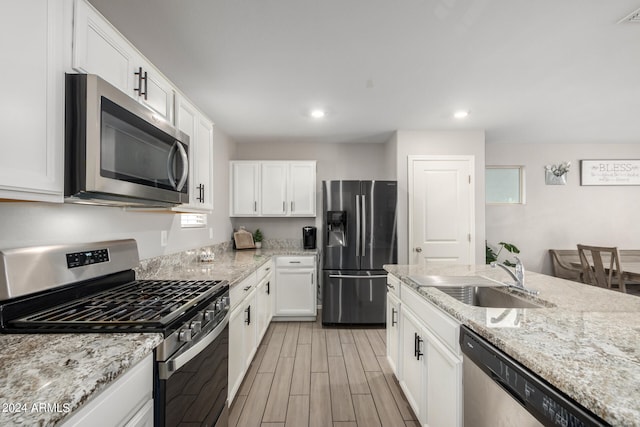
(610, 172)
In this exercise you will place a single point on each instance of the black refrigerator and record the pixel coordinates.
(359, 237)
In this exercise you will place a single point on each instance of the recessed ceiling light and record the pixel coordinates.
(317, 113)
(461, 114)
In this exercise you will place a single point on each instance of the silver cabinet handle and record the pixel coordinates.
(246, 288)
(394, 321)
(390, 286)
(255, 206)
(284, 206)
(418, 249)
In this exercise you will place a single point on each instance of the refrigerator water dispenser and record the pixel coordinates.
(336, 228)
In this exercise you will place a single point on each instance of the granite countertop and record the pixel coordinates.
(584, 340)
(62, 371)
(230, 265)
(66, 370)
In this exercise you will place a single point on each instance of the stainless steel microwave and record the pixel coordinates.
(119, 152)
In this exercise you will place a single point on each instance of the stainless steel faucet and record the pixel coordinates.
(518, 276)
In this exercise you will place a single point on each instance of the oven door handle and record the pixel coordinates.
(167, 368)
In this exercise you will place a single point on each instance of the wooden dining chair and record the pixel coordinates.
(594, 271)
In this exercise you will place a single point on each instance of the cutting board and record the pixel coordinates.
(244, 240)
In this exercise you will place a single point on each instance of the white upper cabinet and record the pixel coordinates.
(98, 48)
(36, 42)
(302, 189)
(273, 188)
(245, 190)
(200, 132)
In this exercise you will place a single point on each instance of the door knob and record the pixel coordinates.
(418, 249)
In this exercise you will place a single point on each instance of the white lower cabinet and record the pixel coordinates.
(429, 359)
(242, 341)
(296, 287)
(127, 402)
(251, 312)
(264, 304)
(393, 331)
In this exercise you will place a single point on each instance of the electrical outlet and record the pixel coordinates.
(163, 238)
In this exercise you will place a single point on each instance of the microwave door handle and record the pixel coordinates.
(185, 169)
(172, 155)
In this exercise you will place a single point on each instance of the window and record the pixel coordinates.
(191, 220)
(504, 184)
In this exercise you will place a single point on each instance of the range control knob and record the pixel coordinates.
(195, 326)
(185, 335)
(209, 315)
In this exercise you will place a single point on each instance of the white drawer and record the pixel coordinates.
(239, 291)
(296, 261)
(393, 285)
(445, 327)
(264, 270)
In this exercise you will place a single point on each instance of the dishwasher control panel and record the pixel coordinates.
(546, 403)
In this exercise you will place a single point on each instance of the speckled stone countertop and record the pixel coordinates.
(585, 341)
(62, 371)
(230, 265)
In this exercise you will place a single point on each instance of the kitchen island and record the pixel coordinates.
(46, 378)
(583, 340)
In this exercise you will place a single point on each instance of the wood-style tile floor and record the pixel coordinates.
(304, 375)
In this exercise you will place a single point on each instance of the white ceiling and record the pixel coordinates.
(544, 71)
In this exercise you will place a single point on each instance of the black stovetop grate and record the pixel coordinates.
(141, 303)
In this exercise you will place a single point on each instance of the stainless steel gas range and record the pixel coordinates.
(91, 288)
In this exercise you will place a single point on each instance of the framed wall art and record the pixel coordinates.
(609, 172)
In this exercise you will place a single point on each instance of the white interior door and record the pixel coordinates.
(441, 215)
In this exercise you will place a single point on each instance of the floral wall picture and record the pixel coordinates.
(557, 174)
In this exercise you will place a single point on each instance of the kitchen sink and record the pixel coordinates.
(477, 291)
(453, 281)
(484, 296)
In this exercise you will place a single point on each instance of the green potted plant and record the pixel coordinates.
(257, 238)
(492, 256)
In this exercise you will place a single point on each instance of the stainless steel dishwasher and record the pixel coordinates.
(500, 392)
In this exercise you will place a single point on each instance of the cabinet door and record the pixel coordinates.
(296, 292)
(159, 91)
(262, 299)
(244, 188)
(250, 331)
(98, 48)
(412, 365)
(32, 104)
(444, 384)
(302, 188)
(393, 331)
(273, 187)
(203, 185)
(236, 350)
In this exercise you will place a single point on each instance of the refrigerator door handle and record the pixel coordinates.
(351, 276)
(363, 233)
(358, 225)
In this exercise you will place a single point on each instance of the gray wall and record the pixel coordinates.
(30, 224)
(559, 217)
(438, 143)
(334, 161)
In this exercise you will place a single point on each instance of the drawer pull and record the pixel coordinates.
(246, 288)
